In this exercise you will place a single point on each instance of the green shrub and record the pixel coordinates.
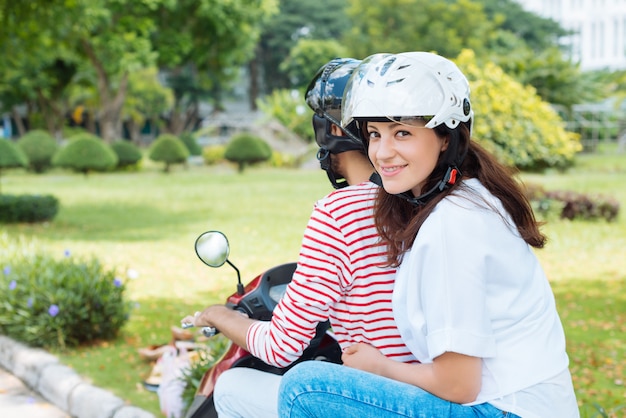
(39, 146)
(245, 149)
(513, 122)
(72, 131)
(84, 153)
(28, 208)
(168, 149)
(282, 160)
(50, 302)
(128, 154)
(213, 154)
(585, 206)
(288, 108)
(190, 142)
(571, 205)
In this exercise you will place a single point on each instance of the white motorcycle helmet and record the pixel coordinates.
(413, 85)
(408, 85)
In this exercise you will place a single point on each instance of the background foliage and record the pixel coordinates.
(519, 128)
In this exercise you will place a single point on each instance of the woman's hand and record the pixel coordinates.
(202, 319)
(451, 376)
(364, 357)
(231, 323)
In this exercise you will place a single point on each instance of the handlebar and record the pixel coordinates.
(206, 331)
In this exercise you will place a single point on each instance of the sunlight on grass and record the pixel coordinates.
(148, 221)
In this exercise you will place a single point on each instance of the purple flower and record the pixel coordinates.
(53, 310)
(6, 270)
(66, 253)
(117, 282)
(12, 285)
(29, 302)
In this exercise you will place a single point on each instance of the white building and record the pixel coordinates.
(599, 25)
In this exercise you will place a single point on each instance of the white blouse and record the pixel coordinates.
(471, 285)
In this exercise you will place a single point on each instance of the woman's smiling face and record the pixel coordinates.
(403, 153)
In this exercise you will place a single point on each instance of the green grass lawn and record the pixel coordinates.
(147, 221)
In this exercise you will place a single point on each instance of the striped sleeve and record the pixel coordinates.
(315, 287)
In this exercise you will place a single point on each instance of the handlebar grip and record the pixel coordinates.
(209, 331)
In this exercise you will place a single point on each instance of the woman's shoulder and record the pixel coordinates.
(362, 194)
(470, 194)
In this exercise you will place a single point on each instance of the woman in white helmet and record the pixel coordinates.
(471, 300)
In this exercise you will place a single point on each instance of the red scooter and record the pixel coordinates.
(256, 300)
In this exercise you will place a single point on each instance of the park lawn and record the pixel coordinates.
(147, 221)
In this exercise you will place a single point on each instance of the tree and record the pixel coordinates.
(147, 100)
(538, 33)
(112, 36)
(444, 26)
(527, 47)
(202, 44)
(36, 69)
(307, 56)
(321, 20)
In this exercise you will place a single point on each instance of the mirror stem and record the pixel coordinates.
(239, 284)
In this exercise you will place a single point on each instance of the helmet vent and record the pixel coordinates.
(386, 65)
(391, 83)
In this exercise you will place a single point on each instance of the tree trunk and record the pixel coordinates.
(19, 123)
(253, 69)
(110, 102)
(52, 115)
(183, 120)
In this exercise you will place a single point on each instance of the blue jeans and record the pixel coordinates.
(316, 389)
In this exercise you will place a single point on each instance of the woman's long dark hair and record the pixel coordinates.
(399, 221)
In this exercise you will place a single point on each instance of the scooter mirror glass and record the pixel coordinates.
(212, 248)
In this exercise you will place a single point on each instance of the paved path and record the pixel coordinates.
(34, 384)
(18, 401)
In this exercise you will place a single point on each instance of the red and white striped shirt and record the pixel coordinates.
(339, 278)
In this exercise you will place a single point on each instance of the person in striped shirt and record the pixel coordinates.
(339, 276)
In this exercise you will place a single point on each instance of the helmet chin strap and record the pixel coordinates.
(450, 178)
(323, 156)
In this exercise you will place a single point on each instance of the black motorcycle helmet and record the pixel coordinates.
(324, 96)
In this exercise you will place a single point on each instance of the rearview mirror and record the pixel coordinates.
(212, 248)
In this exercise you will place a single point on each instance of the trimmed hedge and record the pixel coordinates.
(84, 153)
(168, 149)
(128, 154)
(246, 149)
(27, 208)
(39, 146)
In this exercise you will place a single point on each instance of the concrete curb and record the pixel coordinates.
(60, 385)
